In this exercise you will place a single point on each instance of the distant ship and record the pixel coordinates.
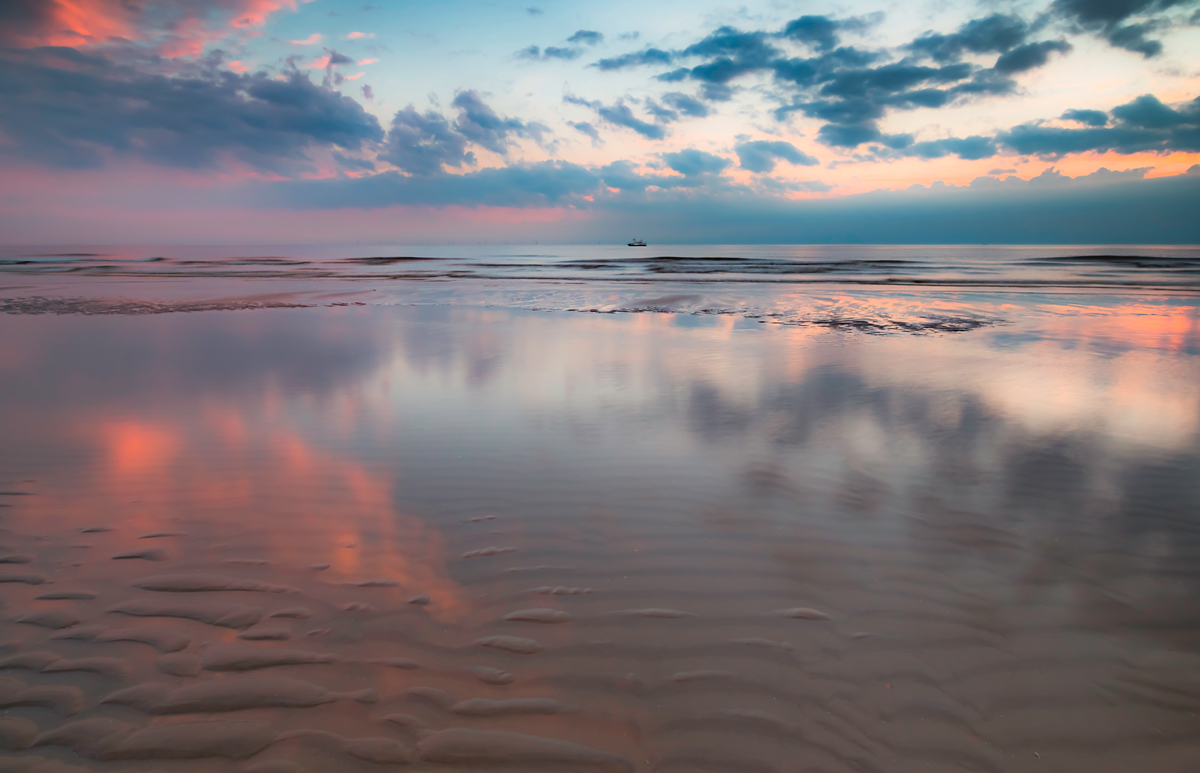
(637, 243)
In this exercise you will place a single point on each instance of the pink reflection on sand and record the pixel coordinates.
(297, 503)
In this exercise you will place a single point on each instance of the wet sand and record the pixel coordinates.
(453, 538)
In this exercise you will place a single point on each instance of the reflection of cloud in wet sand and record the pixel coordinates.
(250, 482)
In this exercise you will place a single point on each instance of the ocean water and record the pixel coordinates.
(584, 509)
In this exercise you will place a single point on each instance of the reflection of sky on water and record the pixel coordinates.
(1069, 440)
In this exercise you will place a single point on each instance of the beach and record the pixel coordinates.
(552, 508)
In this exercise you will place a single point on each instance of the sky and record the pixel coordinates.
(284, 121)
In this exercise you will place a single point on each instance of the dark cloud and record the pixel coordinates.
(820, 32)
(890, 79)
(674, 75)
(348, 162)
(583, 127)
(732, 53)
(549, 52)
(587, 37)
(849, 135)
(620, 115)
(1123, 23)
(1029, 56)
(733, 43)
(1145, 124)
(68, 109)
(368, 93)
(479, 124)
(1147, 112)
(660, 113)
(555, 52)
(692, 162)
(685, 104)
(716, 92)
(761, 155)
(851, 89)
(969, 148)
(993, 34)
(533, 10)
(650, 56)
(421, 143)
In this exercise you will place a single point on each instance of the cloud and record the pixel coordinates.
(620, 115)
(1088, 117)
(586, 37)
(369, 60)
(851, 89)
(533, 10)
(64, 108)
(550, 52)
(368, 93)
(970, 148)
(311, 40)
(760, 155)
(360, 35)
(685, 104)
(583, 127)
(994, 34)
(1145, 124)
(421, 143)
(554, 52)
(348, 162)
(1106, 207)
(543, 184)
(480, 124)
(772, 185)
(1113, 20)
(1029, 56)
(171, 28)
(692, 162)
(649, 56)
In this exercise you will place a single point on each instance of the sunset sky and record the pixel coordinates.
(225, 121)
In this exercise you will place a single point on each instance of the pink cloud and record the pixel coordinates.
(237, 66)
(354, 77)
(359, 35)
(362, 62)
(179, 29)
(320, 63)
(312, 39)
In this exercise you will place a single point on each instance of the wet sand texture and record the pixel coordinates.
(457, 540)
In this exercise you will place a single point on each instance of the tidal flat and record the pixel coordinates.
(294, 522)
